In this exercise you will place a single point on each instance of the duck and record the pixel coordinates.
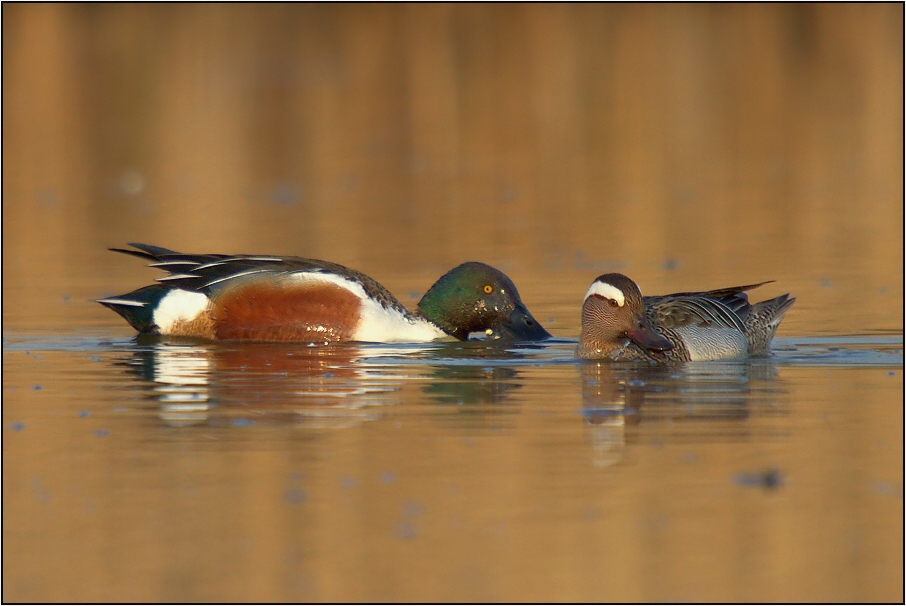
(223, 297)
(618, 323)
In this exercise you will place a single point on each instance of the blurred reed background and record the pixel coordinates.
(690, 146)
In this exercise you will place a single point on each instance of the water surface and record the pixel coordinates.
(449, 472)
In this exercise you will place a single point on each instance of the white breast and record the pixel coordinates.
(179, 305)
(382, 325)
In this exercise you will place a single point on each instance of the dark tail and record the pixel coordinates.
(137, 307)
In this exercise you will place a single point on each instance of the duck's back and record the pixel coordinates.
(211, 274)
(716, 325)
(265, 298)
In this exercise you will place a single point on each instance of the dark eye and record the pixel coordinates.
(613, 302)
(488, 289)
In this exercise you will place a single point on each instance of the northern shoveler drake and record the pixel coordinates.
(618, 323)
(273, 298)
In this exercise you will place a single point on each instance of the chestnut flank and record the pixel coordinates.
(309, 312)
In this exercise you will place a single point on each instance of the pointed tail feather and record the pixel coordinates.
(157, 251)
(145, 251)
(137, 307)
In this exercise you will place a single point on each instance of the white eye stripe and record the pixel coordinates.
(608, 291)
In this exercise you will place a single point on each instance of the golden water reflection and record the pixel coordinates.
(196, 383)
(614, 396)
(346, 384)
(295, 473)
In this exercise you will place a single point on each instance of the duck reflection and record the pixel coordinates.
(473, 381)
(180, 382)
(612, 397)
(474, 397)
(465, 385)
(617, 395)
(315, 385)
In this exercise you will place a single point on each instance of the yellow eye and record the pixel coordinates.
(488, 289)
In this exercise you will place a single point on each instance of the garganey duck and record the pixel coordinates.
(618, 323)
(274, 298)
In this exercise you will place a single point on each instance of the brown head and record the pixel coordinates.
(613, 314)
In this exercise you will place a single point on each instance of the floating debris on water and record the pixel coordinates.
(770, 479)
(295, 496)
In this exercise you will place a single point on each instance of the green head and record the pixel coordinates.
(475, 297)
